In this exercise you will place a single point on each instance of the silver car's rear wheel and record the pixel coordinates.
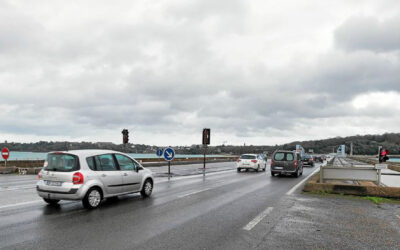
(92, 198)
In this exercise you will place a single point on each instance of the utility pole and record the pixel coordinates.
(351, 148)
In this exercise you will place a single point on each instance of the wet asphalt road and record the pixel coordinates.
(224, 210)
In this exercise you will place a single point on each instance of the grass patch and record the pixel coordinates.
(379, 200)
(374, 199)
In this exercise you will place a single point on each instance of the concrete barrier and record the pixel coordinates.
(24, 164)
(8, 170)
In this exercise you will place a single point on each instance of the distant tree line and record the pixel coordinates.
(362, 145)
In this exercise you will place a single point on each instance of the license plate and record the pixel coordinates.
(53, 183)
(278, 167)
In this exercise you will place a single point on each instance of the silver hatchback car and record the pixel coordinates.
(91, 176)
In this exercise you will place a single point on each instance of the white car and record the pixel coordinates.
(91, 176)
(251, 161)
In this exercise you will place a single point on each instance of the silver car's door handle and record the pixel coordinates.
(125, 174)
(103, 175)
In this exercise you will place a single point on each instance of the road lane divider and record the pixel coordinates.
(194, 192)
(257, 219)
(4, 189)
(293, 189)
(21, 204)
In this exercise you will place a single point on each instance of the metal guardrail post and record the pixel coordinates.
(321, 177)
(379, 167)
(379, 177)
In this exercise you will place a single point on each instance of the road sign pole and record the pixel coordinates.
(169, 155)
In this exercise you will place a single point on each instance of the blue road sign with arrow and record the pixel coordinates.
(159, 152)
(169, 154)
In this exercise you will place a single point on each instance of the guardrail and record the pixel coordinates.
(352, 173)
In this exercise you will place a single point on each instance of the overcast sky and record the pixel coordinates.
(259, 72)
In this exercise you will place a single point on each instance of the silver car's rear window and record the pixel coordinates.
(248, 157)
(62, 162)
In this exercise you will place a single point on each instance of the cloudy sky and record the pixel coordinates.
(259, 72)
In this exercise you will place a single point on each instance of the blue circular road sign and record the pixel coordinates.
(159, 152)
(169, 154)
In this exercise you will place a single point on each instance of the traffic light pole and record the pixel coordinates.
(204, 159)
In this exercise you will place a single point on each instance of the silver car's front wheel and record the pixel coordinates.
(92, 198)
(147, 188)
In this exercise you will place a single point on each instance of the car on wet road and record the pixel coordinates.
(255, 162)
(308, 160)
(318, 158)
(91, 176)
(286, 163)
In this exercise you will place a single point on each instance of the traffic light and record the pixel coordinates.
(125, 136)
(380, 148)
(206, 136)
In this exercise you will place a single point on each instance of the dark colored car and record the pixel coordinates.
(318, 158)
(308, 160)
(286, 163)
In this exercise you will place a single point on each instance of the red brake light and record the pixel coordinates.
(272, 162)
(255, 161)
(295, 163)
(39, 175)
(77, 178)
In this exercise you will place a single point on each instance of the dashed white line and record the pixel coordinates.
(195, 192)
(13, 188)
(291, 191)
(21, 204)
(257, 219)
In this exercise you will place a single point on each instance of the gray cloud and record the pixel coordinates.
(369, 33)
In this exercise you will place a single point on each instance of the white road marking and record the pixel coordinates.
(195, 192)
(257, 219)
(291, 191)
(4, 189)
(21, 204)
